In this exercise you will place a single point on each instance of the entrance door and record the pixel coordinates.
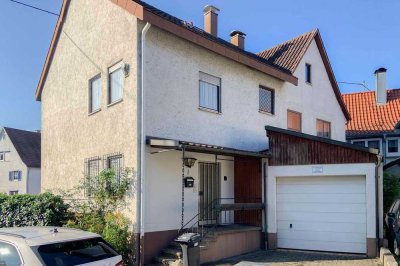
(209, 191)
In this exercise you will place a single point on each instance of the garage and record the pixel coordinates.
(325, 213)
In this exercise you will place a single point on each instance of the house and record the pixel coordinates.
(19, 161)
(247, 149)
(375, 120)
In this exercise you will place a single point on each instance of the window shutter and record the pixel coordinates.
(10, 176)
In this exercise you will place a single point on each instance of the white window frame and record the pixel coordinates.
(112, 69)
(13, 176)
(366, 142)
(91, 111)
(203, 77)
(305, 73)
(398, 147)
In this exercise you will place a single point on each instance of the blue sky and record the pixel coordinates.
(359, 35)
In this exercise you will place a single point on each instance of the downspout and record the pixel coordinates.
(265, 169)
(377, 201)
(142, 140)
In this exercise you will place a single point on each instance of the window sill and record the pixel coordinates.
(94, 112)
(114, 103)
(266, 113)
(210, 110)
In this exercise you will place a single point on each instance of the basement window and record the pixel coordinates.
(209, 93)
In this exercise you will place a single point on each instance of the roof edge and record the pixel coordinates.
(320, 139)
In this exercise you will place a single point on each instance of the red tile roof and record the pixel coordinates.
(368, 117)
(288, 55)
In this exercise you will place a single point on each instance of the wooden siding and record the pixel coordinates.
(288, 149)
(248, 189)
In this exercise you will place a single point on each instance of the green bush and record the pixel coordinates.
(391, 190)
(33, 210)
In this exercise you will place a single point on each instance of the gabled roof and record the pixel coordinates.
(288, 55)
(370, 118)
(27, 144)
(180, 28)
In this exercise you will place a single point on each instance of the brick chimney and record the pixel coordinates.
(381, 93)
(211, 20)
(237, 38)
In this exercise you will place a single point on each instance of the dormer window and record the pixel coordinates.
(308, 73)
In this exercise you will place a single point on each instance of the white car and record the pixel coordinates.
(54, 246)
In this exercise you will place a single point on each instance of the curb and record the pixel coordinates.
(387, 258)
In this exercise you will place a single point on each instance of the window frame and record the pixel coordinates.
(261, 87)
(308, 73)
(323, 124)
(287, 118)
(219, 94)
(91, 111)
(111, 70)
(387, 147)
(366, 142)
(16, 248)
(13, 175)
(120, 158)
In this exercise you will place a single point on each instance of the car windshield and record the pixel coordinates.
(76, 252)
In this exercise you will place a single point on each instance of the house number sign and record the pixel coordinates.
(317, 169)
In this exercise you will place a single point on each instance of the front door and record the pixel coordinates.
(209, 191)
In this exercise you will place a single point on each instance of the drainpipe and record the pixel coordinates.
(265, 169)
(377, 200)
(142, 141)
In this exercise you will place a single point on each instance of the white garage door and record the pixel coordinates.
(322, 213)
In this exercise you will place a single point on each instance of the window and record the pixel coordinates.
(393, 146)
(2, 156)
(210, 92)
(266, 100)
(76, 252)
(323, 129)
(374, 144)
(92, 170)
(308, 73)
(116, 83)
(9, 255)
(294, 120)
(15, 175)
(115, 162)
(95, 94)
(359, 143)
(13, 192)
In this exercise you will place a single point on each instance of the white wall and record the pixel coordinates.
(12, 163)
(172, 96)
(367, 170)
(34, 181)
(163, 187)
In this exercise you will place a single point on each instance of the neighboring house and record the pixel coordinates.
(375, 120)
(216, 135)
(19, 161)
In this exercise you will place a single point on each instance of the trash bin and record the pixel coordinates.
(190, 248)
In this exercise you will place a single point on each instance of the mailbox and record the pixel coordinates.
(189, 181)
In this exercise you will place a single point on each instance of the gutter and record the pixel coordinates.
(141, 152)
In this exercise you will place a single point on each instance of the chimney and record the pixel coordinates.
(237, 38)
(211, 20)
(380, 75)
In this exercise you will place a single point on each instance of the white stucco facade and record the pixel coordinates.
(172, 96)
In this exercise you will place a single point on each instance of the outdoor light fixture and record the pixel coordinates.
(189, 162)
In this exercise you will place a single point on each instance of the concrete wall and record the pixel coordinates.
(172, 95)
(163, 188)
(12, 162)
(96, 35)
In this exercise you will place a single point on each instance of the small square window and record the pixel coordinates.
(95, 94)
(308, 73)
(116, 83)
(266, 100)
(323, 129)
(393, 146)
(15, 175)
(210, 92)
(294, 120)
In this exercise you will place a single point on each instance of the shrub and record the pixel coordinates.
(33, 210)
(391, 190)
